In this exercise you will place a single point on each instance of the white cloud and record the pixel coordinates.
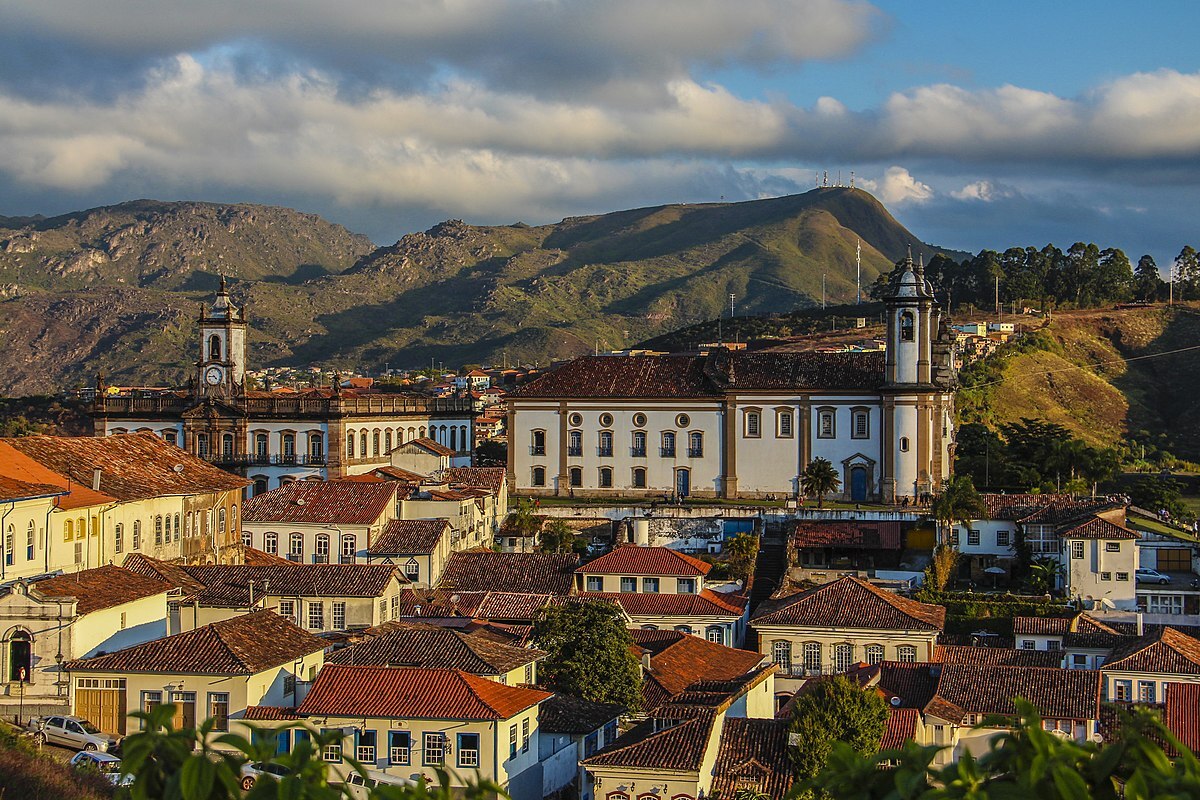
(976, 190)
(897, 186)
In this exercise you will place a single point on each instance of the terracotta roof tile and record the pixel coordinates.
(257, 558)
(103, 587)
(914, 683)
(753, 754)
(680, 747)
(901, 728)
(409, 537)
(243, 645)
(428, 646)
(134, 466)
(679, 661)
(856, 535)
(997, 656)
(705, 603)
(532, 573)
(1096, 528)
(850, 602)
(1016, 506)
(410, 692)
(229, 585)
(425, 443)
(12, 489)
(639, 560)
(565, 714)
(328, 502)
(173, 574)
(979, 689)
(1181, 713)
(399, 474)
(490, 478)
(1166, 652)
(270, 713)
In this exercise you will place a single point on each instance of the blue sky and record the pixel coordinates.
(978, 124)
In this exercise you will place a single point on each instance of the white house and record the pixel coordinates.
(745, 424)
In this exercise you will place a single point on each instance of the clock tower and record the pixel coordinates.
(221, 370)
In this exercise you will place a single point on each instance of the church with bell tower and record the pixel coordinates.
(221, 370)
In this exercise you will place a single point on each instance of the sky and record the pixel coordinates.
(978, 124)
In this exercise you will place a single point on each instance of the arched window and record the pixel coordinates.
(202, 445)
(906, 326)
(843, 657)
(906, 653)
(574, 443)
(260, 486)
(158, 531)
(137, 534)
(606, 477)
(412, 433)
(68, 530)
(753, 424)
(606, 443)
(322, 554)
(20, 657)
(177, 532)
(10, 545)
(422, 431)
(316, 447)
(167, 530)
(387, 441)
(537, 446)
(668, 444)
(221, 521)
(287, 446)
(296, 547)
(247, 539)
(362, 444)
(227, 445)
(637, 447)
(29, 540)
(715, 633)
(375, 443)
(684, 629)
(349, 548)
(812, 656)
(781, 651)
(576, 476)
(350, 444)
(214, 348)
(539, 476)
(639, 477)
(454, 438)
(874, 653)
(271, 543)
(81, 528)
(696, 444)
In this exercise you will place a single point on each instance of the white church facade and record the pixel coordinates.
(738, 424)
(275, 438)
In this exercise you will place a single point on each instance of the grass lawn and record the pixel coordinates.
(1143, 524)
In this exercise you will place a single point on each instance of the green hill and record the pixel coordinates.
(457, 292)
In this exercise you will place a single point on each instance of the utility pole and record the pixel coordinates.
(997, 298)
(857, 258)
(822, 290)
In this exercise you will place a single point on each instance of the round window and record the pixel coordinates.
(576, 420)
(639, 420)
(683, 420)
(903, 444)
(606, 420)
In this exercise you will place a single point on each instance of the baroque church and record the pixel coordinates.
(275, 438)
(744, 424)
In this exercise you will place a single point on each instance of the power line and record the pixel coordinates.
(1093, 364)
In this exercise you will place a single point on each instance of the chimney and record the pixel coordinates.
(95, 479)
(1141, 626)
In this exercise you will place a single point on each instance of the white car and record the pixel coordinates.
(360, 787)
(252, 772)
(107, 765)
(1147, 575)
(74, 732)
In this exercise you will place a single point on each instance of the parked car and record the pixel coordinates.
(106, 764)
(252, 772)
(1147, 575)
(360, 787)
(73, 732)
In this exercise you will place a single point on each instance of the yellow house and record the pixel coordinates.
(830, 628)
(406, 721)
(1140, 670)
(215, 672)
(420, 547)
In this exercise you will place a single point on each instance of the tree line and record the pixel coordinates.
(1083, 276)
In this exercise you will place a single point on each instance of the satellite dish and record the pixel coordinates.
(454, 598)
(299, 501)
(895, 701)
(1098, 737)
(178, 467)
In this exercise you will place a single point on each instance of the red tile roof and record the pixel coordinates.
(706, 603)
(425, 443)
(913, 684)
(1167, 652)
(323, 502)
(257, 558)
(399, 474)
(753, 753)
(1181, 714)
(979, 689)
(413, 645)
(997, 656)
(901, 728)
(134, 466)
(414, 693)
(680, 747)
(638, 560)
(103, 587)
(12, 489)
(856, 535)
(270, 714)
(173, 574)
(850, 602)
(530, 573)
(242, 645)
(490, 478)
(678, 661)
(1097, 528)
(1080, 630)
(563, 713)
(229, 585)
(409, 537)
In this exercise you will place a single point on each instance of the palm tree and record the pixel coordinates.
(819, 478)
(1044, 574)
(957, 502)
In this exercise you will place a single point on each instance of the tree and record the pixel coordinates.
(819, 478)
(491, 453)
(740, 553)
(1044, 574)
(1186, 272)
(1147, 279)
(1027, 763)
(834, 710)
(557, 537)
(589, 653)
(957, 502)
(1159, 494)
(522, 522)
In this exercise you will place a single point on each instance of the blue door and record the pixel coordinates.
(683, 483)
(858, 484)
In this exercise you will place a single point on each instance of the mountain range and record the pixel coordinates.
(117, 288)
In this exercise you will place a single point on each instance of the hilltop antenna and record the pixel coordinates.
(822, 290)
(857, 257)
(839, 183)
(851, 179)
(825, 179)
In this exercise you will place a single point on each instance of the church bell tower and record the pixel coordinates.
(221, 370)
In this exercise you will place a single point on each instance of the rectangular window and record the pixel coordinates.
(1002, 538)
(1079, 660)
(150, 701)
(332, 752)
(399, 747)
(753, 425)
(468, 750)
(685, 585)
(1146, 691)
(1076, 549)
(973, 538)
(825, 428)
(364, 751)
(316, 616)
(650, 585)
(628, 584)
(1112, 547)
(512, 741)
(218, 710)
(1052, 644)
(339, 616)
(525, 735)
(1106, 576)
(784, 424)
(954, 537)
(395, 606)
(1123, 576)
(287, 609)
(529, 673)
(1028, 644)
(595, 583)
(862, 425)
(589, 745)
(435, 749)
(1123, 690)
(289, 684)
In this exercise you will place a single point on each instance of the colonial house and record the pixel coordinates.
(427, 456)
(1140, 669)
(278, 437)
(420, 547)
(522, 573)
(674, 663)
(124, 494)
(660, 588)
(51, 620)
(317, 597)
(397, 644)
(1080, 642)
(213, 672)
(322, 522)
(745, 424)
(1100, 563)
(830, 628)
(571, 729)
(408, 720)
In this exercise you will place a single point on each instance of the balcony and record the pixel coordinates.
(296, 558)
(321, 558)
(638, 452)
(667, 452)
(604, 452)
(695, 452)
(574, 451)
(537, 450)
(265, 460)
(348, 560)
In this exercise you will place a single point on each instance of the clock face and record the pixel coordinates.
(212, 376)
